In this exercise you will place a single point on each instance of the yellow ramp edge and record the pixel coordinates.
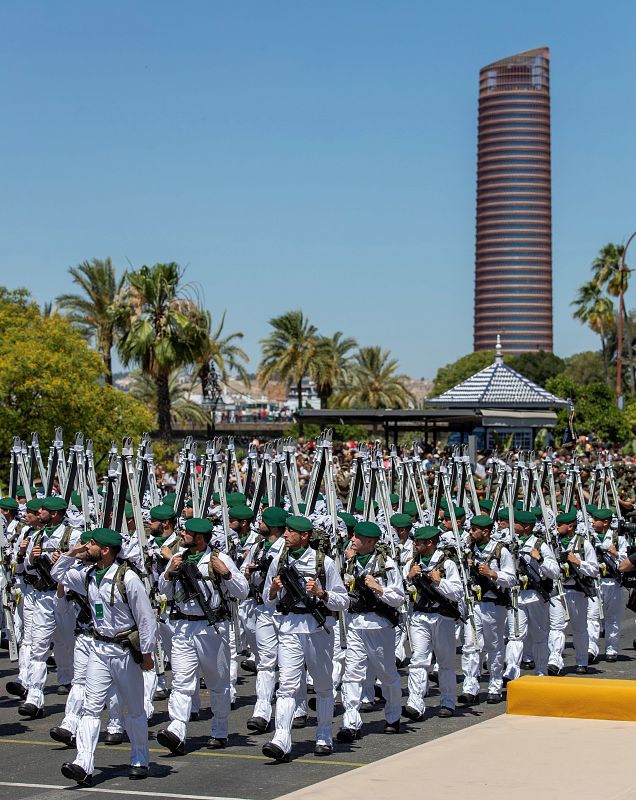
(582, 698)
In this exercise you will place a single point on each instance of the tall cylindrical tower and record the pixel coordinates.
(513, 274)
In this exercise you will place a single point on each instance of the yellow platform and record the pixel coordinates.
(584, 698)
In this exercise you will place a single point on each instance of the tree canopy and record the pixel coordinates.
(460, 370)
(50, 377)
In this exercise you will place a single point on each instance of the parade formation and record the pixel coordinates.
(320, 575)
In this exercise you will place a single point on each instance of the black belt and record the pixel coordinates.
(219, 616)
(119, 638)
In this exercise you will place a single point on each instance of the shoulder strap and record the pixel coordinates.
(66, 538)
(119, 582)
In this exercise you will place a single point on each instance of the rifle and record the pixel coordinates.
(296, 594)
(7, 605)
(528, 569)
(425, 587)
(189, 576)
(583, 583)
(363, 599)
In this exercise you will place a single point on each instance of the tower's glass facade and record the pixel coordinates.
(513, 275)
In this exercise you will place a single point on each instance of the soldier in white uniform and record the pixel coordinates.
(612, 549)
(492, 576)
(376, 592)
(197, 582)
(125, 632)
(51, 620)
(402, 525)
(302, 639)
(579, 567)
(537, 568)
(437, 606)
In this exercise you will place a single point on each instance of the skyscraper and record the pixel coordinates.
(513, 269)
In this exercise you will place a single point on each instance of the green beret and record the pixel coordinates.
(524, 517)
(106, 537)
(188, 504)
(274, 517)
(503, 514)
(170, 499)
(216, 497)
(240, 511)
(236, 499)
(299, 524)
(401, 521)
(19, 491)
(483, 521)
(53, 504)
(360, 505)
(591, 507)
(566, 518)
(394, 498)
(536, 510)
(198, 525)
(410, 508)
(76, 499)
(602, 514)
(34, 505)
(519, 505)
(349, 520)
(302, 507)
(486, 503)
(426, 532)
(86, 537)
(443, 503)
(128, 497)
(128, 511)
(368, 529)
(460, 511)
(162, 512)
(9, 504)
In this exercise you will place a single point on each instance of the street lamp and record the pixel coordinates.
(211, 396)
(621, 305)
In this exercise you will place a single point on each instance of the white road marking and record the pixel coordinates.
(117, 791)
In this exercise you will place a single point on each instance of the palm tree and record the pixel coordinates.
(609, 275)
(92, 314)
(224, 353)
(331, 364)
(161, 329)
(373, 382)
(288, 352)
(183, 410)
(596, 310)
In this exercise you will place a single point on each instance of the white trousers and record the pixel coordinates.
(75, 699)
(613, 596)
(577, 606)
(52, 621)
(25, 611)
(373, 649)
(431, 633)
(125, 676)
(534, 629)
(295, 650)
(490, 622)
(197, 645)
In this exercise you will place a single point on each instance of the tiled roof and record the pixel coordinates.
(497, 386)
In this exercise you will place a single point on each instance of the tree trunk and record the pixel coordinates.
(204, 374)
(299, 389)
(605, 364)
(163, 408)
(106, 349)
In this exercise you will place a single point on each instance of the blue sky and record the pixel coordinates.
(314, 155)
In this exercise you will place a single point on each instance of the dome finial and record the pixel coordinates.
(498, 351)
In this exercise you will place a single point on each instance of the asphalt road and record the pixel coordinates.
(31, 760)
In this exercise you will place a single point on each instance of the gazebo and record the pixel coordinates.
(506, 403)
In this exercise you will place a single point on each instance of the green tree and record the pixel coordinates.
(373, 382)
(596, 410)
(184, 411)
(460, 370)
(585, 368)
(92, 312)
(160, 329)
(596, 310)
(331, 365)
(50, 377)
(289, 351)
(224, 353)
(538, 366)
